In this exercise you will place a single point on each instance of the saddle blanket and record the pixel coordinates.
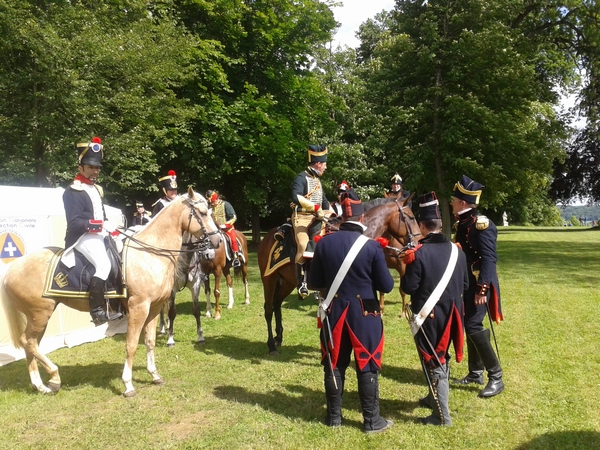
(281, 253)
(75, 282)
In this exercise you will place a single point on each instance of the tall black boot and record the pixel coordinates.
(495, 384)
(333, 394)
(97, 302)
(476, 366)
(368, 391)
(301, 277)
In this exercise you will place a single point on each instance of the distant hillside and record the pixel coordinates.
(592, 213)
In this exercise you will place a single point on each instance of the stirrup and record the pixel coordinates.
(303, 291)
(236, 263)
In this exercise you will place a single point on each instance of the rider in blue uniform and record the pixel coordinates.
(87, 225)
(354, 318)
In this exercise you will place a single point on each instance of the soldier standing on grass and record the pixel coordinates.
(435, 278)
(477, 236)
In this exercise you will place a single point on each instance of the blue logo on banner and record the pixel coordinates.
(9, 248)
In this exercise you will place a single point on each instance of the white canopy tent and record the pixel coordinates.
(30, 219)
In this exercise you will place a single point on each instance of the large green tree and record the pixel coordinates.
(463, 88)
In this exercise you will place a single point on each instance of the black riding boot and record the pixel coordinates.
(476, 366)
(301, 277)
(495, 384)
(368, 391)
(97, 302)
(334, 398)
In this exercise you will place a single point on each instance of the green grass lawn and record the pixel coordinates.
(230, 394)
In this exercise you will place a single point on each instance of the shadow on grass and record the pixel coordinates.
(15, 376)
(298, 402)
(563, 440)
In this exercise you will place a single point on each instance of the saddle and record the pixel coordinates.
(229, 250)
(283, 252)
(74, 282)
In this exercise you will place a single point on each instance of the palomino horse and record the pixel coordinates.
(393, 218)
(149, 273)
(196, 270)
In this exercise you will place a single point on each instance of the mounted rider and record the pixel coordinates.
(168, 184)
(348, 203)
(395, 187)
(225, 217)
(141, 216)
(308, 202)
(87, 226)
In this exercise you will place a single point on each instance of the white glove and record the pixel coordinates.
(223, 227)
(109, 226)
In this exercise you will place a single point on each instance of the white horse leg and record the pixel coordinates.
(230, 304)
(247, 302)
(150, 341)
(126, 378)
(208, 304)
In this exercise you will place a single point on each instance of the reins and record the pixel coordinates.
(192, 246)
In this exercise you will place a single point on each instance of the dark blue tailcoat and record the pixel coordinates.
(79, 211)
(425, 267)
(354, 314)
(479, 246)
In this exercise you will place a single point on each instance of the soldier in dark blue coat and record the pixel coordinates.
(477, 236)
(441, 322)
(354, 319)
(87, 225)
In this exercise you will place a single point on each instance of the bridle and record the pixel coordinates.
(190, 245)
(409, 222)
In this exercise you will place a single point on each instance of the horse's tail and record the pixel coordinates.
(14, 318)
(237, 271)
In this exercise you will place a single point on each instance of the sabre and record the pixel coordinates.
(325, 322)
(492, 328)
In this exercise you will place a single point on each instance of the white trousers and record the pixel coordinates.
(91, 245)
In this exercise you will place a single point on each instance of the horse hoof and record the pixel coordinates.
(247, 302)
(54, 387)
(200, 342)
(229, 307)
(159, 381)
(129, 394)
(208, 315)
(170, 345)
(217, 316)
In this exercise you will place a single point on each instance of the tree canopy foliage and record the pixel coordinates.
(230, 93)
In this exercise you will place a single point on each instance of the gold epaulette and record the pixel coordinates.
(482, 223)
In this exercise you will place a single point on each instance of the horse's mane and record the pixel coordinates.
(378, 202)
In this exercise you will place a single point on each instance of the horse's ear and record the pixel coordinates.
(191, 193)
(408, 199)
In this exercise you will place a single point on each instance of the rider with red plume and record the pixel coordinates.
(87, 225)
(168, 183)
(225, 217)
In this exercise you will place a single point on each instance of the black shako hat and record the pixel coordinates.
(317, 153)
(468, 190)
(90, 153)
(429, 207)
(169, 181)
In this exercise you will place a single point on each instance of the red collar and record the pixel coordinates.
(83, 179)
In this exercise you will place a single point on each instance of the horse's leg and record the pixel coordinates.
(207, 294)
(245, 278)
(162, 325)
(172, 315)
(269, 288)
(150, 341)
(30, 341)
(135, 323)
(381, 301)
(229, 282)
(283, 290)
(195, 301)
(218, 273)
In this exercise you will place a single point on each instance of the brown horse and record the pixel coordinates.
(393, 218)
(195, 272)
(149, 273)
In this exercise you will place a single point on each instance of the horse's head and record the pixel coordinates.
(200, 222)
(411, 233)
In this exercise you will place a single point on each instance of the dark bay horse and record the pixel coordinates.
(393, 218)
(150, 263)
(195, 270)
